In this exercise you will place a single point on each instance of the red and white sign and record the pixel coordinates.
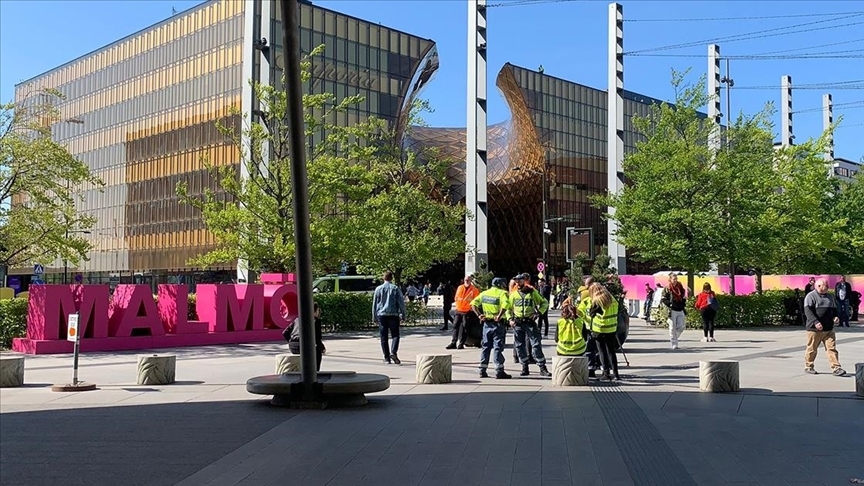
(72, 328)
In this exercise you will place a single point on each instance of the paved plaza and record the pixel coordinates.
(653, 428)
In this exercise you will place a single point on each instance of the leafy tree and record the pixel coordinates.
(40, 182)
(847, 206)
(483, 277)
(666, 210)
(603, 272)
(408, 219)
(255, 221)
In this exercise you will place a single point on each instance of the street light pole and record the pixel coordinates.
(545, 197)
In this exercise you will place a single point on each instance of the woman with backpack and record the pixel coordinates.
(706, 304)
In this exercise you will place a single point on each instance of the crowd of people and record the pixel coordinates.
(588, 325)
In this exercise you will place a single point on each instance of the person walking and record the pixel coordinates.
(675, 297)
(603, 314)
(546, 291)
(706, 304)
(570, 333)
(843, 295)
(526, 304)
(446, 291)
(821, 316)
(465, 294)
(388, 311)
(649, 297)
(491, 305)
(427, 291)
(292, 335)
(810, 287)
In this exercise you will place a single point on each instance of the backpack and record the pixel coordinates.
(712, 303)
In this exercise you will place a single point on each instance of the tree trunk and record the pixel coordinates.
(759, 281)
(397, 277)
(691, 281)
(732, 278)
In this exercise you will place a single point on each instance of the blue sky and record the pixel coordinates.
(567, 37)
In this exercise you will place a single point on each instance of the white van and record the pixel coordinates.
(346, 283)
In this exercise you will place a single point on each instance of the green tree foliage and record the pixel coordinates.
(371, 200)
(847, 208)
(40, 181)
(408, 219)
(666, 211)
(483, 277)
(255, 221)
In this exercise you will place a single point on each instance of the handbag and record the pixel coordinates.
(712, 303)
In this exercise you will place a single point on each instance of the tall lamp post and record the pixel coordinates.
(545, 227)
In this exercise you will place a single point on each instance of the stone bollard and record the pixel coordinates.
(859, 379)
(156, 370)
(287, 363)
(719, 376)
(434, 368)
(11, 371)
(570, 371)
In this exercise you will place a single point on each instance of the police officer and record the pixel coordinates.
(526, 304)
(491, 305)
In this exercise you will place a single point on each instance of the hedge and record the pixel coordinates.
(343, 311)
(772, 308)
(13, 320)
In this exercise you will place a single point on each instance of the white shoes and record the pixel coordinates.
(705, 340)
(708, 340)
(674, 346)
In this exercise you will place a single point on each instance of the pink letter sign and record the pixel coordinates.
(134, 309)
(174, 310)
(50, 305)
(231, 307)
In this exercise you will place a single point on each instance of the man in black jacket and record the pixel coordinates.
(820, 317)
(447, 293)
(843, 294)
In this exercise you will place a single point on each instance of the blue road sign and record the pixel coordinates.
(38, 269)
(37, 281)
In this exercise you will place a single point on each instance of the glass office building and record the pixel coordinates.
(145, 110)
(557, 130)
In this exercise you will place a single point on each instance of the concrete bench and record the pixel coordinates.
(859, 379)
(339, 388)
(156, 369)
(719, 376)
(11, 371)
(433, 369)
(570, 371)
(287, 362)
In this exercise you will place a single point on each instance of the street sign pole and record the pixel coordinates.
(73, 335)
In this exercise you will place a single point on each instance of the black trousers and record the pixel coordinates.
(460, 328)
(544, 323)
(448, 319)
(294, 347)
(708, 316)
(607, 344)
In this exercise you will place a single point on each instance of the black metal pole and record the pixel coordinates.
(300, 188)
(545, 196)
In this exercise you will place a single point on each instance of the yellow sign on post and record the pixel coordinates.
(72, 329)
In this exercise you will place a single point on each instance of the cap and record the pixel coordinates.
(520, 276)
(499, 282)
(526, 276)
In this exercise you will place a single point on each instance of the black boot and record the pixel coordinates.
(524, 370)
(483, 373)
(544, 371)
(592, 374)
(501, 375)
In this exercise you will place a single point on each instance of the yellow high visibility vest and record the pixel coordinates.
(570, 342)
(606, 322)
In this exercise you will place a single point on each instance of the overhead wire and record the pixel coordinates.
(766, 17)
(521, 3)
(844, 54)
(796, 49)
(775, 32)
(851, 105)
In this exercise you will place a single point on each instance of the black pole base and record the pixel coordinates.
(76, 387)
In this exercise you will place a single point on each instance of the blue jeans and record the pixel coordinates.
(843, 310)
(389, 324)
(527, 329)
(494, 339)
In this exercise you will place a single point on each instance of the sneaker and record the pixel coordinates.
(616, 377)
(839, 372)
(444, 328)
(501, 375)
(544, 371)
(674, 346)
(451, 346)
(483, 373)
(712, 340)
(387, 361)
(810, 371)
(395, 359)
(605, 378)
(706, 340)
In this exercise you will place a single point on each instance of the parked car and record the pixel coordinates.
(346, 283)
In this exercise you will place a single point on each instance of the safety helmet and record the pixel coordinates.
(499, 282)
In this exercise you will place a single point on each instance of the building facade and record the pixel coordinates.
(557, 133)
(146, 108)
